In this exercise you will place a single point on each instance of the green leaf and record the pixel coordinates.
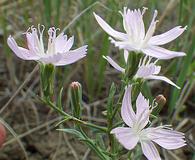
(59, 100)
(62, 121)
(101, 153)
(110, 100)
(91, 144)
(182, 77)
(73, 131)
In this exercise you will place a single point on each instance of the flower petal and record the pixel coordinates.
(123, 45)
(150, 150)
(51, 58)
(167, 36)
(68, 44)
(19, 51)
(60, 43)
(127, 113)
(33, 41)
(142, 104)
(157, 69)
(161, 53)
(146, 70)
(142, 111)
(151, 28)
(133, 24)
(162, 78)
(166, 138)
(72, 56)
(114, 64)
(109, 30)
(126, 137)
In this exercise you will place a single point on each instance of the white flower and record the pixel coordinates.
(135, 38)
(58, 50)
(136, 131)
(146, 69)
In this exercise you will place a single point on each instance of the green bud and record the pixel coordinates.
(76, 98)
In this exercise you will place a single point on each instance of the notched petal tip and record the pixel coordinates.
(86, 47)
(10, 38)
(113, 131)
(185, 28)
(182, 54)
(72, 38)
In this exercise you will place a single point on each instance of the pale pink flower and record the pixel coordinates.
(58, 50)
(137, 39)
(138, 132)
(147, 69)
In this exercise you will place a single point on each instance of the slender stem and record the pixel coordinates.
(74, 118)
(129, 155)
(110, 120)
(118, 102)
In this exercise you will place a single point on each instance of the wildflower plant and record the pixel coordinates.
(130, 117)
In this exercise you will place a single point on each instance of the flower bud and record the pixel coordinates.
(75, 85)
(2, 134)
(76, 98)
(161, 101)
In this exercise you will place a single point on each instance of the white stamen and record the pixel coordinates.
(149, 60)
(41, 30)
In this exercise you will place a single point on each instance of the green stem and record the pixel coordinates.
(74, 118)
(118, 104)
(129, 155)
(113, 147)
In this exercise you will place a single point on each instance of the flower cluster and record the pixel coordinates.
(135, 39)
(138, 41)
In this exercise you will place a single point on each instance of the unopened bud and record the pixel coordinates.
(2, 134)
(161, 100)
(75, 85)
(76, 98)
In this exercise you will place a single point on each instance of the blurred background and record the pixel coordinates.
(31, 125)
